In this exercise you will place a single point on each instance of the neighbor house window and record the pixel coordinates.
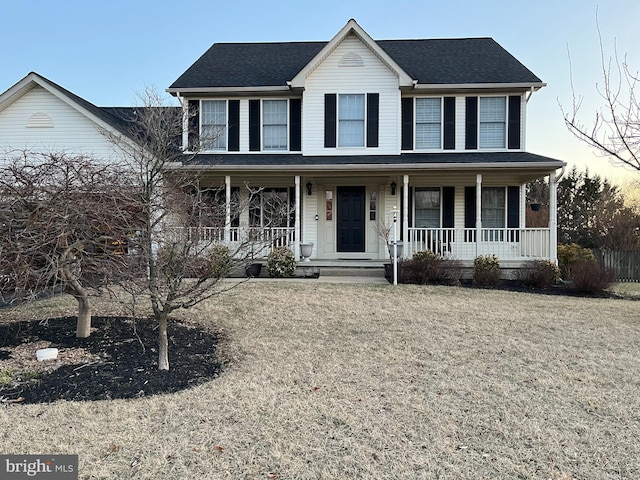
(214, 125)
(427, 207)
(493, 122)
(428, 123)
(274, 125)
(351, 114)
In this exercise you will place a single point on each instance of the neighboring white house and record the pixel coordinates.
(344, 131)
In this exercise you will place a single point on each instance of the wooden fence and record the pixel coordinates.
(626, 264)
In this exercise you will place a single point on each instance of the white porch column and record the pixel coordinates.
(478, 211)
(227, 209)
(297, 238)
(523, 205)
(407, 250)
(553, 218)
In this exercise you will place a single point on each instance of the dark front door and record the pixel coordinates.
(350, 221)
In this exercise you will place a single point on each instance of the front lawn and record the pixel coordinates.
(325, 381)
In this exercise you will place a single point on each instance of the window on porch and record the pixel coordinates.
(270, 208)
(427, 207)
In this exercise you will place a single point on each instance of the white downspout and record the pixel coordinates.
(227, 210)
(553, 218)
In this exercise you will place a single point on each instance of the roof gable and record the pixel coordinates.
(351, 28)
(103, 117)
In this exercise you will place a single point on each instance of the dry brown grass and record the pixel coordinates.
(371, 381)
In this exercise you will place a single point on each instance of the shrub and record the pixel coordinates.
(281, 262)
(429, 268)
(590, 277)
(539, 274)
(215, 263)
(486, 271)
(568, 254)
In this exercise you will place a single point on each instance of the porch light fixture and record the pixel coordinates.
(393, 187)
(309, 188)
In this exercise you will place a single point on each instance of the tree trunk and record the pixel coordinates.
(83, 325)
(163, 344)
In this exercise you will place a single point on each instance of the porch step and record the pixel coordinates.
(343, 268)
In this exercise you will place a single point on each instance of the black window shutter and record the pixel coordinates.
(469, 207)
(295, 124)
(514, 121)
(235, 209)
(234, 126)
(448, 206)
(407, 123)
(373, 101)
(513, 207)
(330, 120)
(254, 125)
(194, 125)
(449, 123)
(471, 124)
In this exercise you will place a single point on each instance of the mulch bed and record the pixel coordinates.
(118, 360)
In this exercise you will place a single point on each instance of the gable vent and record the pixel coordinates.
(351, 59)
(40, 120)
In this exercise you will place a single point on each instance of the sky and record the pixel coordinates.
(108, 51)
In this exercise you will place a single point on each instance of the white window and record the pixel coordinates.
(274, 125)
(428, 123)
(493, 122)
(493, 207)
(351, 120)
(427, 207)
(213, 118)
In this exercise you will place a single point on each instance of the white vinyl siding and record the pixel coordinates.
(213, 119)
(351, 120)
(274, 125)
(492, 122)
(428, 123)
(373, 77)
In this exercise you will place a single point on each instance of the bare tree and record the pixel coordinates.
(61, 227)
(183, 259)
(615, 132)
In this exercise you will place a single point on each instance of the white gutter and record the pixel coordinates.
(478, 86)
(205, 90)
(368, 166)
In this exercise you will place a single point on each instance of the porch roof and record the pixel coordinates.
(405, 161)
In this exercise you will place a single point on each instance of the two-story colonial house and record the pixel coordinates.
(349, 130)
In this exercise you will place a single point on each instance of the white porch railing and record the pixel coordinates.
(262, 240)
(462, 244)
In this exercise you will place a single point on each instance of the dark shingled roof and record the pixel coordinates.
(439, 61)
(298, 160)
